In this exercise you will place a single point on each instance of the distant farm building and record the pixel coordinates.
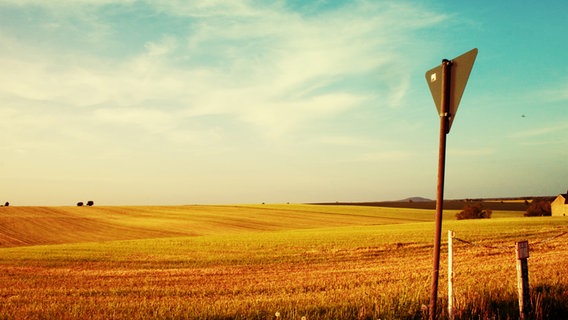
(559, 206)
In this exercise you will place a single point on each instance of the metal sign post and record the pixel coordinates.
(444, 124)
(447, 83)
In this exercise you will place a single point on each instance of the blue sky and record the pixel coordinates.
(214, 102)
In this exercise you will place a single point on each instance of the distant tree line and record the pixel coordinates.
(7, 204)
(538, 207)
(90, 203)
(474, 210)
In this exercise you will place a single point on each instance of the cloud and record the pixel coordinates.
(542, 131)
(208, 9)
(166, 45)
(277, 77)
(472, 152)
(385, 156)
(265, 66)
(152, 120)
(62, 4)
(558, 92)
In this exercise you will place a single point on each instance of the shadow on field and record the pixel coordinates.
(551, 300)
(547, 302)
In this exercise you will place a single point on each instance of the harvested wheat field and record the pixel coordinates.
(269, 261)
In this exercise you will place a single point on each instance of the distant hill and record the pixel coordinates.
(415, 199)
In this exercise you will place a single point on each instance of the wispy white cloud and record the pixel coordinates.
(313, 83)
(556, 93)
(164, 46)
(542, 131)
(269, 68)
(390, 156)
(208, 9)
(192, 78)
(154, 121)
(344, 141)
(472, 152)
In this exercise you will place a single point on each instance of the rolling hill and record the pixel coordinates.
(27, 226)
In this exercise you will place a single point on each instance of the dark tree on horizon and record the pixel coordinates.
(539, 207)
(474, 211)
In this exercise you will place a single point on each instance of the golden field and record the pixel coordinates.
(254, 261)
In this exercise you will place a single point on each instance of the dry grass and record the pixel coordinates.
(20, 226)
(250, 262)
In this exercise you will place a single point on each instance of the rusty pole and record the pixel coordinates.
(444, 129)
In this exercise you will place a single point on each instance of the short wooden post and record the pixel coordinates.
(450, 275)
(522, 250)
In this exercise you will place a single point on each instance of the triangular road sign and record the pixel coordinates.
(460, 70)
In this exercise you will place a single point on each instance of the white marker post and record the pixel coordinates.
(522, 250)
(451, 235)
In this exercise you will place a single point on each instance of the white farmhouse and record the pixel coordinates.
(559, 206)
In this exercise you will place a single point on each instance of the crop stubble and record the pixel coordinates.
(350, 272)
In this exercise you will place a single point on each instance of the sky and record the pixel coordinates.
(231, 102)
